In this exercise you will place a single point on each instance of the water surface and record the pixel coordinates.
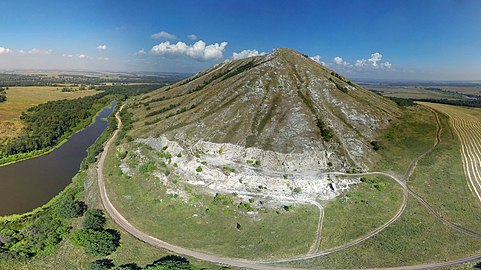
(29, 184)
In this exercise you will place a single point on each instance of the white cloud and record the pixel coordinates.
(198, 50)
(163, 34)
(317, 58)
(192, 37)
(104, 58)
(39, 51)
(140, 52)
(4, 50)
(246, 53)
(102, 47)
(386, 65)
(375, 62)
(375, 57)
(339, 61)
(82, 56)
(67, 55)
(361, 63)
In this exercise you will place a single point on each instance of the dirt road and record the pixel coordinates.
(242, 263)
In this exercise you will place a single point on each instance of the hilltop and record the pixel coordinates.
(282, 102)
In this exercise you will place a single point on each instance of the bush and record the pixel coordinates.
(325, 132)
(199, 169)
(376, 145)
(94, 220)
(69, 207)
(170, 262)
(148, 167)
(96, 243)
(100, 264)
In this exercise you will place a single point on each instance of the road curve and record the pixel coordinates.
(122, 222)
(243, 263)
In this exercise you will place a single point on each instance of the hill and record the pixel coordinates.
(282, 102)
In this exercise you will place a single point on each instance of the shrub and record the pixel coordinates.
(199, 169)
(100, 264)
(69, 207)
(325, 132)
(96, 243)
(148, 167)
(170, 262)
(376, 145)
(94, 220)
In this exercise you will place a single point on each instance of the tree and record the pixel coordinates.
(128, 266)
(102, 264)
(170, 262)
(69, 207)
(97, 243)
(94, 219)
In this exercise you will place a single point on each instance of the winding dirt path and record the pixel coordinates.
(315, 246)
(243, 263)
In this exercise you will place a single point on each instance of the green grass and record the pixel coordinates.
(203, 223)
(361, 210)
(439, 178)
(417, 238)
(406, 139)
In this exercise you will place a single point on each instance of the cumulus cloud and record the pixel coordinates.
(317, 58)
(375, 62)
(104, 58)
(39, 51)
(163, 34)
(198, 50)
(386, 65)
(4, 50)
(192, 37)
(339, 61)
(140, 52)
(82, 56)
(102, 47)
(67, 55)
(246, 53)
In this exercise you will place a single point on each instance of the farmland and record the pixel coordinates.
(467, 125)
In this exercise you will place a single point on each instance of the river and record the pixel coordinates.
(31, 183)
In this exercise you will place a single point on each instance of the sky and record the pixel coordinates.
(364, 39)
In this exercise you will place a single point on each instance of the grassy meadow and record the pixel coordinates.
(364, 208)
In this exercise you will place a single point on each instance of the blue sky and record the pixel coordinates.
(405, 40)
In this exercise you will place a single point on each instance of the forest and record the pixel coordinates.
(48, 124)
(463, 102)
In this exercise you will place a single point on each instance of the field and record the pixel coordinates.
(419, 237)
(369, 206)
(424, 90)
(19, 99)
(411, 92)
(467, 125)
